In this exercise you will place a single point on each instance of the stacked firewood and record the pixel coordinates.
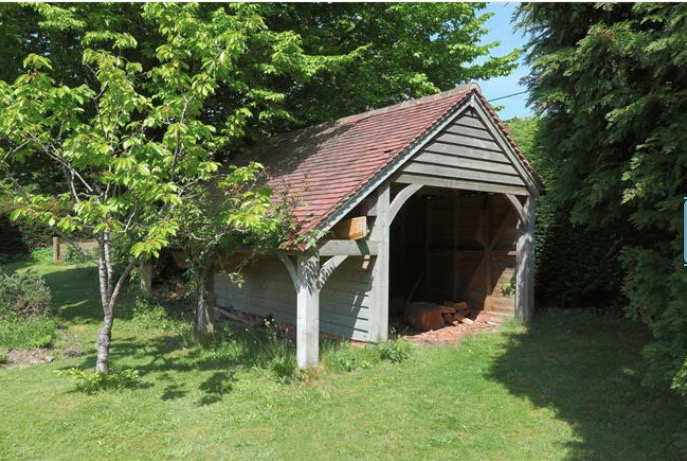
(425, 316)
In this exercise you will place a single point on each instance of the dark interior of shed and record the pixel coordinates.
(449, 245)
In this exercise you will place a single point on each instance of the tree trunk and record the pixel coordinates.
(109, 293)
(102, 338)
(204, 324)
(146, 270)
(102, 345)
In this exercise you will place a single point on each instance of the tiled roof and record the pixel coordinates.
(320, 167)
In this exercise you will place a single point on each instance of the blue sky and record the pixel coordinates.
(501, 29)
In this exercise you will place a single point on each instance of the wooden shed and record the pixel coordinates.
(429, 199)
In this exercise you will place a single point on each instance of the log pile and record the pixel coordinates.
(425, 316)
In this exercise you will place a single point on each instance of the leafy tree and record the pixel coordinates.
(405, 50)
(610, 83)
(133, 148)
(224, 219)
(400, 50)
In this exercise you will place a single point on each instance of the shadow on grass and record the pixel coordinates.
(587, 367)
(214, 388)
(75, 294)
(170, 360)
(76, 301)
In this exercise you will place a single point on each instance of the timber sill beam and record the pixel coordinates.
(360, 247)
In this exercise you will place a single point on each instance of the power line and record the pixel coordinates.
(508, 96)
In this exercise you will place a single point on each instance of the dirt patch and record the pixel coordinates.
(454, 334)
(22, 358)
(69, 345)
(450, 334)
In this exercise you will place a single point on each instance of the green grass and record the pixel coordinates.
(568, 388)
(27, 333)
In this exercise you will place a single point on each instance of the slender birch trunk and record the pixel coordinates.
(109, 293)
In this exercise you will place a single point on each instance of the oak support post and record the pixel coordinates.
(530, 208)
(524, 293)
(380, 275)
(308, 309)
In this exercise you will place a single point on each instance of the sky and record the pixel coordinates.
(501, 29)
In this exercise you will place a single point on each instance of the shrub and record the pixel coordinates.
(42, 255)
(284, 367)
(339, 357)
(395, 351)
(75, 256)
(28, 333)
(679, 383)
(3, 356)
(153, 315)
(20, 238)
(23, 294)
(342, 360)
(91, 382)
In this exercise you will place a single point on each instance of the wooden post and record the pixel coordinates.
(56, 249)
(380, 275)
(454, 259)
(530, 208)
(524, 276)
(308, 310)
(488, 286)
(146, 270)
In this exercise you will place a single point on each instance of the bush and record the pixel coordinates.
(284, 367)
(23, 294)
(3, 356)
(343, 360)
(91, 382)
(21, 238)
(679, 384)
(75, 256)
(42, 255)
(395, 351)
(339, 357)
(152, 315)
(27, 333)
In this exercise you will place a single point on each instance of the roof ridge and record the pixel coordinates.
(459, 89)
(408, 103)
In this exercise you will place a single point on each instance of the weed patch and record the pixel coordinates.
(91, 382)
(27, 333)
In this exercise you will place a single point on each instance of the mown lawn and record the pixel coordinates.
(568, 388)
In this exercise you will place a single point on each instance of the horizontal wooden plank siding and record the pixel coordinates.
(465, 152)
(345, 302)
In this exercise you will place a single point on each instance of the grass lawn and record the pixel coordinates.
(568, 388)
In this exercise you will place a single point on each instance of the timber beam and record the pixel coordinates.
(361, 247)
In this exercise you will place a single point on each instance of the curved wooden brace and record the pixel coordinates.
(329, 267)
(518, 207)
(400, 199)
(291, 267)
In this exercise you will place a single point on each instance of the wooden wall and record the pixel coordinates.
(465, 151)
(267, 289)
